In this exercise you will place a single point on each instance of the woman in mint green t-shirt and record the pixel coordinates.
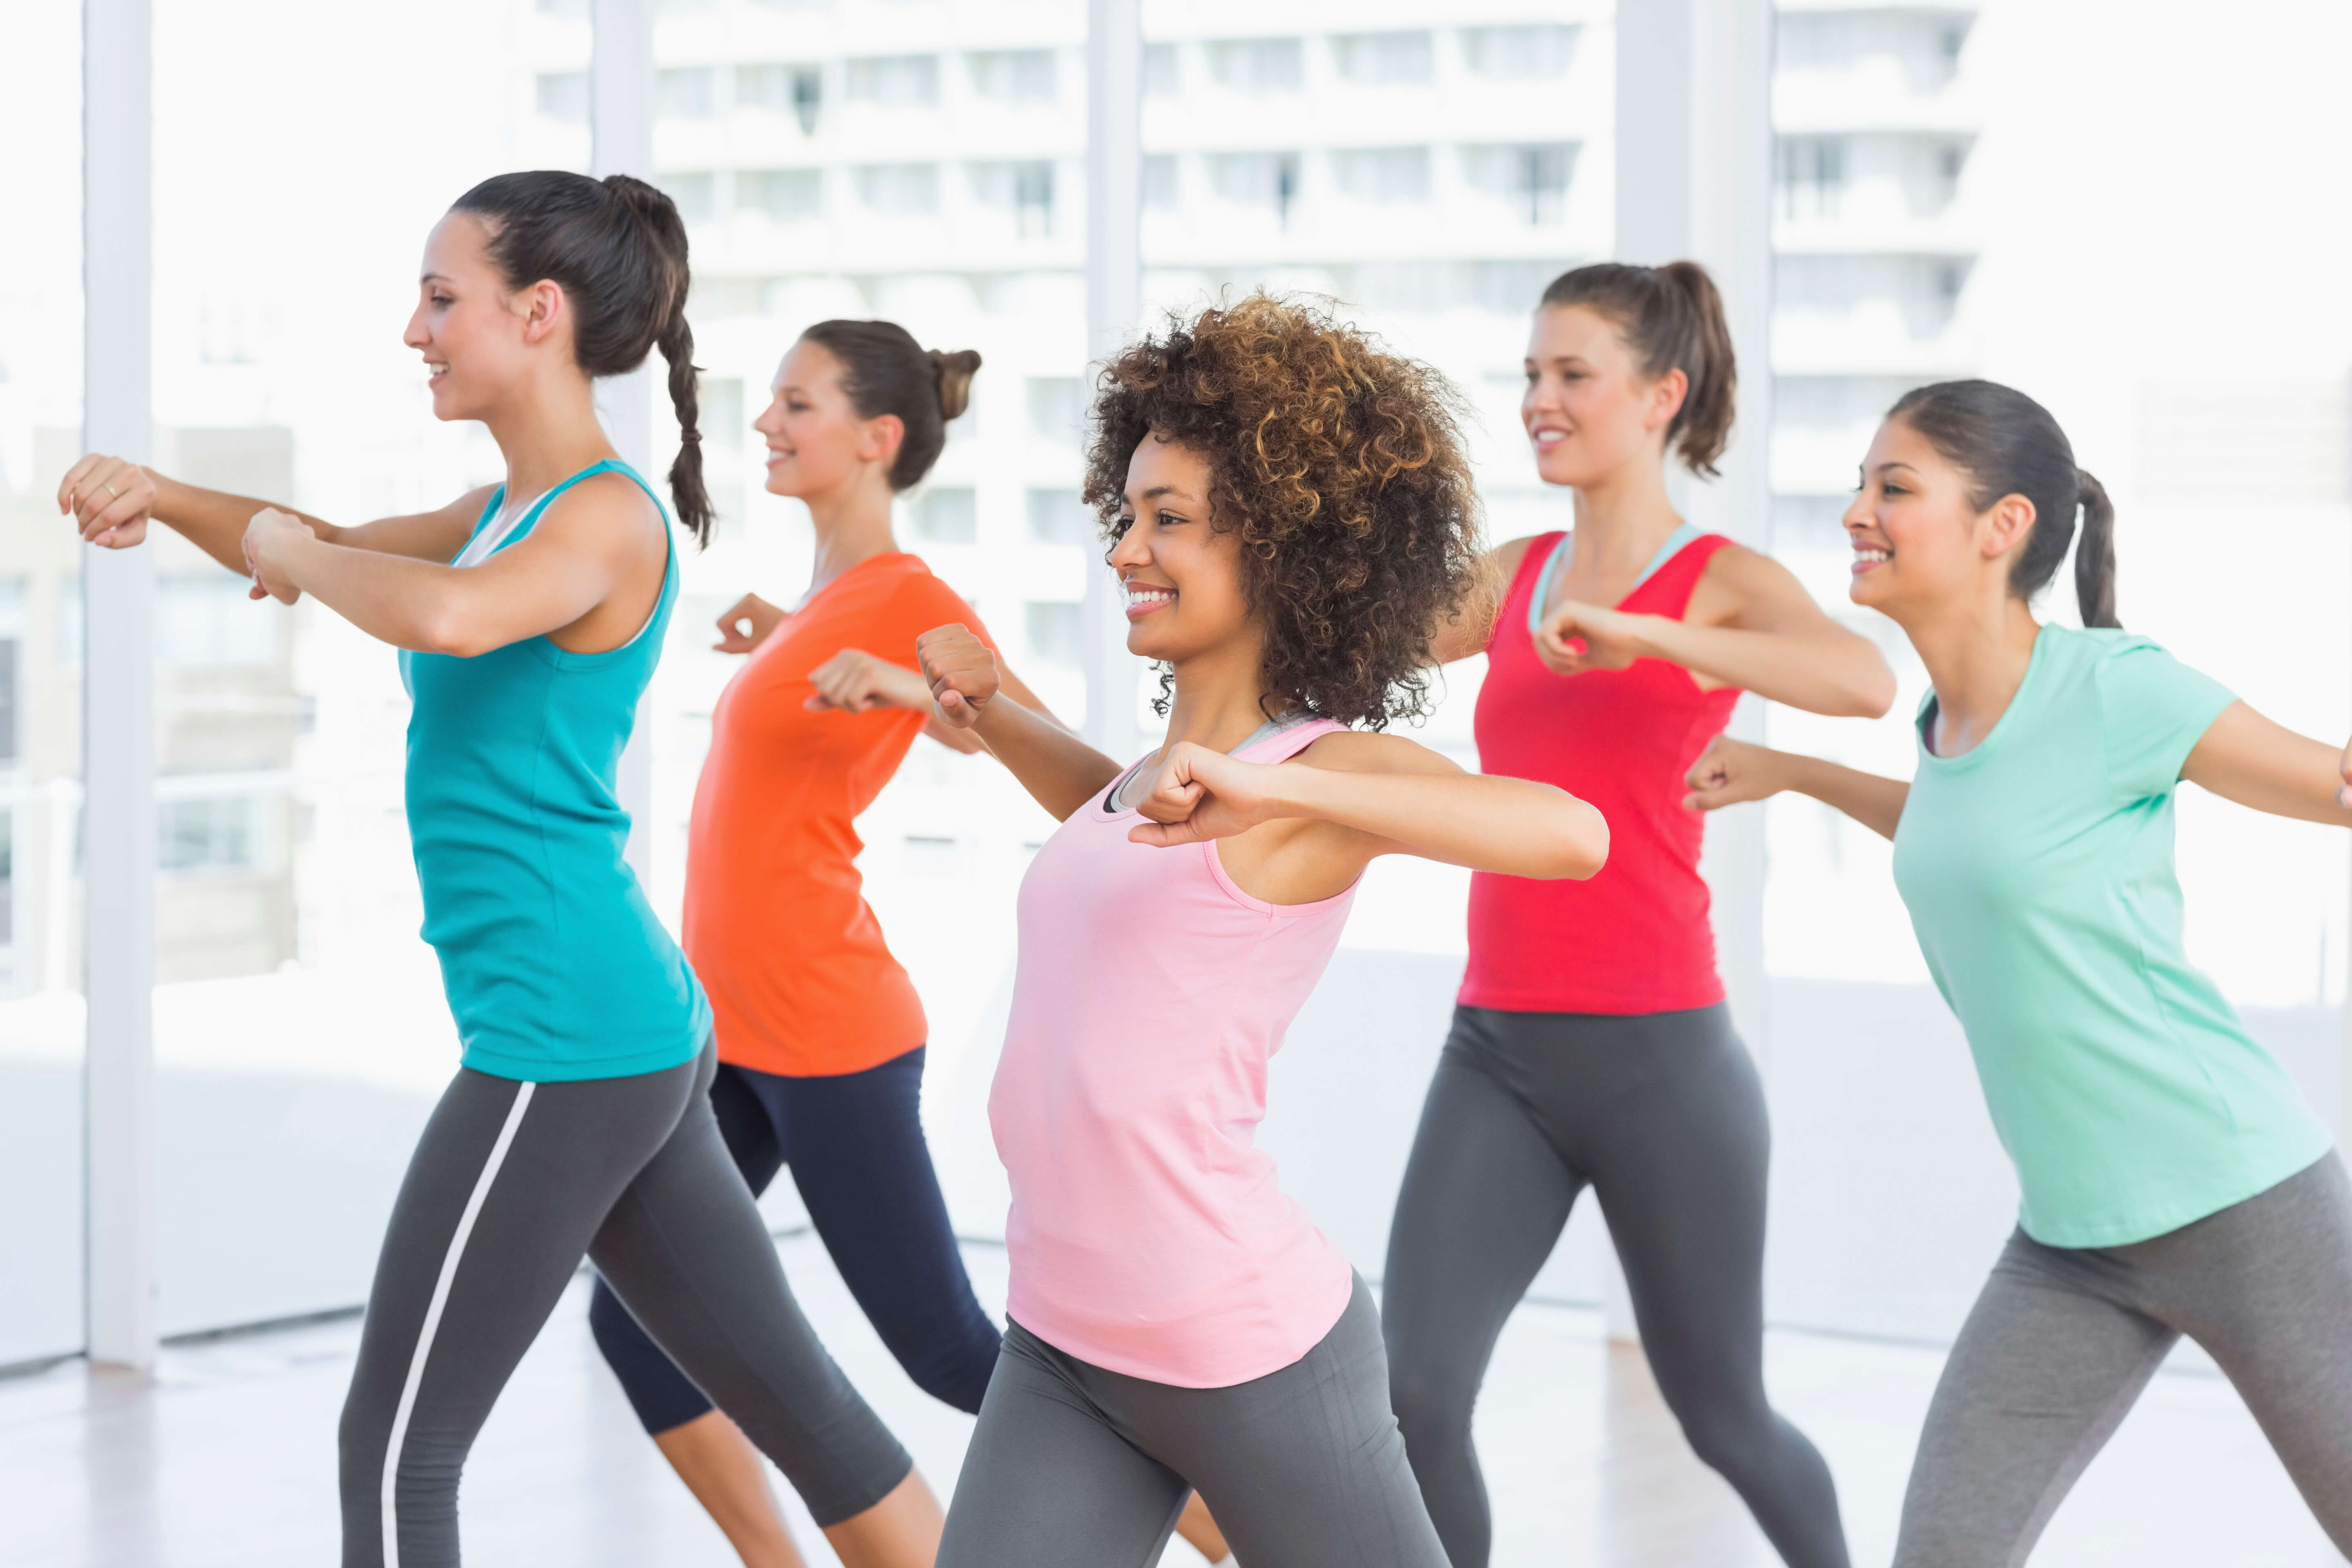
(2174, 1182)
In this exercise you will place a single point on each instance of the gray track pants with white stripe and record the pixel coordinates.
(510, 1186)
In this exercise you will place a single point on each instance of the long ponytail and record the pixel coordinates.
(2094, 554)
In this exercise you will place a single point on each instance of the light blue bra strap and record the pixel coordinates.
(1673, 547)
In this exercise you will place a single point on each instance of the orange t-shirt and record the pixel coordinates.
(799, 979)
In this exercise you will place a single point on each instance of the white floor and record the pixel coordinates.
(227, 1457)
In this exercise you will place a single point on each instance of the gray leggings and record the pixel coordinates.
(2063, 1339)
(1073, 1466)
(511, 1184)
(1663, 1115)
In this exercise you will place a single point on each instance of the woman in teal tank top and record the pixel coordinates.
(528, 617)
(2173, 1179)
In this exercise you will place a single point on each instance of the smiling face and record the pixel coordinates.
(478, 336)
(1588, 409)
(1920, 541)
(1182, 578)
(817, 441)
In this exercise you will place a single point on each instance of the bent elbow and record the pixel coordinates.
(1871, 695)
(446, 633)
(1584, 847)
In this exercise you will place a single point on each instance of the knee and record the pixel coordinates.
(951, 1361)
(1433, 1402)
(1732, 1437)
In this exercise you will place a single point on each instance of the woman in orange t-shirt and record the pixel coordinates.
(821, 1035)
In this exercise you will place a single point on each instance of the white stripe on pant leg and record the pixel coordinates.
(433, 1322)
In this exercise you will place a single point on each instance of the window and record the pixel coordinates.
(1258, 66)
(1021, 191)
(1162, 76)
(689, 94)
(896, 81)
(1266, 180)
(208, 623)
(214, 833)
(1383, 176)
(785, 196)
(898, 190)
(948, 516)
(1059, 517)
(1384, 60)
(1021, 78)
(697, 195)
(1533, 178)
(563, 97)
(10, 753)
(1811, 176)
(1531, 52)
(1056, 408)
(1162, 187)
(1055, 629)
(797, 91)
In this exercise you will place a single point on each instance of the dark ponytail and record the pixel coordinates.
(617, 248)
(885, 370)
(1672, 318)
(2010, 444)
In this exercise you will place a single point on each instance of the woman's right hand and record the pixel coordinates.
(109, 499)
(750, 612)
(962, 673)
(1730, 772)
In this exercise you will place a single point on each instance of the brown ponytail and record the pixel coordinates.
(617, 247)
(2095, 554)
(1672, 318)
(885, 370)
(955, 371)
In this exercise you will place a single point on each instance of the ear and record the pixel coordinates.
(884, 435)
(1666, 394)
(2006, 527)
(543, 308)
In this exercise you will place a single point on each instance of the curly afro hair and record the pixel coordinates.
(1342, 470)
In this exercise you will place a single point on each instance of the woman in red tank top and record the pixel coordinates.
(1590, 1044)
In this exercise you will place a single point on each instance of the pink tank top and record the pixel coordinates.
(1148, 1234)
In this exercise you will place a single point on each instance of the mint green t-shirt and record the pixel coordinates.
(2038, 870)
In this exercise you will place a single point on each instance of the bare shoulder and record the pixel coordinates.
(609, 509)
(1738, 584)
(1505, 558)
(1364, 751)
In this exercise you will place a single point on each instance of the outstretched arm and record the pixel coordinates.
(2249, 759)
(856, 681)
(1730, 772)
(110, 503)
(1060, 771)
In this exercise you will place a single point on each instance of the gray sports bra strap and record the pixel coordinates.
(1542, 595)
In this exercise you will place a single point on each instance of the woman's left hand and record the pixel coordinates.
(266, 538)
(1198, 794)
(1575, 637)
(854, 681)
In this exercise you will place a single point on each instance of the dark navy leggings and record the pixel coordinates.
(855, 1142)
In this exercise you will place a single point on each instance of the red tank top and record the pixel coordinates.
(1635, 938)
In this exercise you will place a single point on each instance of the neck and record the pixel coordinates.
(1220, 696)
(853, 524)
(1977, 654)
(1625, 516)
(548, 431)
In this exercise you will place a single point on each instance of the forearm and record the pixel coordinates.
(1871, 799)
(410, 603)
(1516, 828)
(1061, 772)
(1840, 676)
(214, 521)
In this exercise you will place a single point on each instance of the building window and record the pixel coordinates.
(796, 90)
(785, 196)
(1533, 178)
(898, 190)
(1059, 517)
(1162, 189)
(1383, 176)
(1384, 60)
(1810, 175)
(1021, 191)
(1020, 77)
(208, 623)
(697, 195)
(896, 81)
(1531, 52)
(563, 97)
(950, 516)
(1264, 180)
(691, 93)
(9, 752)
(1162, 76)
(1056, 631)
(1258, 66)
(1056, 408)
(216, 833)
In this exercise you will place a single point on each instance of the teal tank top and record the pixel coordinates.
(556, 968)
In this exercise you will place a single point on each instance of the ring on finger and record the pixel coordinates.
(111, 493)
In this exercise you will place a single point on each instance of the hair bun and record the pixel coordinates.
(955, 373)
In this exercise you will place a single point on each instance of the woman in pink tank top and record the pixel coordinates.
(1292, 516)
(1591, 1045)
